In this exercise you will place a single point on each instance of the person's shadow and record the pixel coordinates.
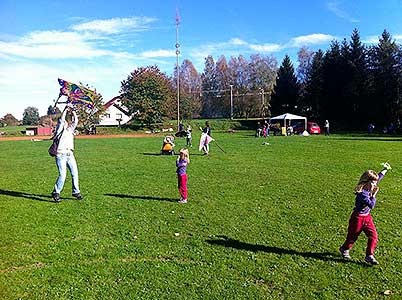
(36, 197)
(142, 197)
(225, 241)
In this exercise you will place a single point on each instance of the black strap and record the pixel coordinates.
(58, 135)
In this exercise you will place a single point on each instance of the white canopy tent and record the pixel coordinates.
(289, 117)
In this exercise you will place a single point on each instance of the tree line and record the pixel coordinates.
(350, 83)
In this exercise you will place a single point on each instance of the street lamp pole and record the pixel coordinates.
(231, 101)
(177, 68)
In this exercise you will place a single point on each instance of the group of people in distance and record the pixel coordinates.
(360, 220)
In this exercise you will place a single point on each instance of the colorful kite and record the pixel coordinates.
(76, 94)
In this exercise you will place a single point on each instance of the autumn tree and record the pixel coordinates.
(262, 70)
(190, 90)
(9, 120)
(209, 87)
(239, 77)
(221, 103)
(148, 95)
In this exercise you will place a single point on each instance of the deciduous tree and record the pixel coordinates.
(30, 116)
(148, 95)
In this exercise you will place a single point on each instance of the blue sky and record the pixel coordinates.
(100, 42)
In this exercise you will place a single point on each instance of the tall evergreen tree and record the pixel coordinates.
(314, 90)
(358, 85)
(332, 84)
(386, 72)
(286, 91)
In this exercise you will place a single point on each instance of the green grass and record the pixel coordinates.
(12, 130)
(262, 222)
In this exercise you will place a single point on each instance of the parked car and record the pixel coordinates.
(312, 128)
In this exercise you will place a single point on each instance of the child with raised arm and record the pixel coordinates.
(361, 219)
(181, 163)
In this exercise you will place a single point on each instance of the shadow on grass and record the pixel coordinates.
(142, 197)
(158, 154)
(152, 154)
(377, 139)
(325, 256)
(37, 197)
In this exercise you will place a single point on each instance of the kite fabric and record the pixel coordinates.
(204, 140)
(76, 94)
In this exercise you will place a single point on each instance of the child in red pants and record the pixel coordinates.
(181, 163)
(361, 219)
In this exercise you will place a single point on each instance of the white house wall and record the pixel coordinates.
(112, 116)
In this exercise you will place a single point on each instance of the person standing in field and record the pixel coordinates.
(188, 136)
(207, 131)
(361, 220)
(65, 155)
(181, 163)
(326, 126)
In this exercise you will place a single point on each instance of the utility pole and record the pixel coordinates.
(231, 101)
(263, 103)
(177, 67)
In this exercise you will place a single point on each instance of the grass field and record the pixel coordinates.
(262, 222)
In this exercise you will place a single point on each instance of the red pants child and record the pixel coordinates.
(357, 224)
(182, 185)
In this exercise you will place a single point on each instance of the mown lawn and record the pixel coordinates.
(262, 222)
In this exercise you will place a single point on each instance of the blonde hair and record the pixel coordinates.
(184, 154)
(366, 177)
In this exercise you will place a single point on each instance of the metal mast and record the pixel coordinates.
(177, 67)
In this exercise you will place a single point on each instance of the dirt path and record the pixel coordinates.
(99, 136)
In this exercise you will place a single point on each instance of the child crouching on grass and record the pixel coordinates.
(361, 220)
(181, 163)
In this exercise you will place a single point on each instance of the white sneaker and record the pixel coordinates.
(345, 253)
(182, 201)
(371, 260)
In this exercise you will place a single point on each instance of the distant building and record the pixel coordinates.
(38, 131)
(116, 114)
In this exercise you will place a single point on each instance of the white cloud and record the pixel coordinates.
(55, 45)
(115, 25)
(266, 48)
(398, 37)
(311, 39)
(237, 41)
(372, 39)
(158, 53)
(334, 6)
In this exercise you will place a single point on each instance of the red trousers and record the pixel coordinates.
(357, 224)
(182, 185)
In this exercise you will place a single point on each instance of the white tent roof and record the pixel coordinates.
(288, 116)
